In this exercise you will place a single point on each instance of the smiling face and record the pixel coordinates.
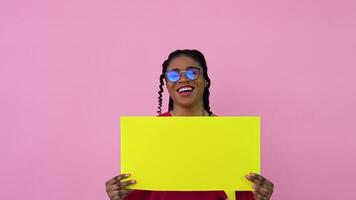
(185, 92)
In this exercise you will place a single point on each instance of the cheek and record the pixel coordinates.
(169, 87)
(201, 85)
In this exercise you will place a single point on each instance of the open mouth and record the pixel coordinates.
(185, 90)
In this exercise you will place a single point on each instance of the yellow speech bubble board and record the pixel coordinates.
(190, 153)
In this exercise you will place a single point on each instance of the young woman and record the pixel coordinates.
(186, 76)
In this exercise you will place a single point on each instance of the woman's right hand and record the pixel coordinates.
(116, 188)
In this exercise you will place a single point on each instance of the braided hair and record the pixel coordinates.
(198, 57)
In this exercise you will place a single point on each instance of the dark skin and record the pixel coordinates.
(263, 188)
(192, 105)
(117, 187)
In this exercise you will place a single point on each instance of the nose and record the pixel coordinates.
(183, 77)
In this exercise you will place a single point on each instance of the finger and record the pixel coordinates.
(118, 186)
(258, 196)
(259, 177)
(111, 181)
(263, 191)
(114, 187)
(257, 183)
(117, 179)
(266, 188)
(126, 183)
(123, 193)
(259, 180)
(268, 185)
(119, 193)
(121, 176)
(264, 180)
(114, 195)
(254, 177)
(115, 198)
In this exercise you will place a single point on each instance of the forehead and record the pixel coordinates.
(182, 63)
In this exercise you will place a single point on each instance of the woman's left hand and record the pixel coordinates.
(263, 187)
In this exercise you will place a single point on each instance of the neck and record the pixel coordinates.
(196, 110)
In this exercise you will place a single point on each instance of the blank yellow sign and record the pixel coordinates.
(190, 153)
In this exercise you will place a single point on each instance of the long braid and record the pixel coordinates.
(160, 94)
(206, 101)
(170, 104)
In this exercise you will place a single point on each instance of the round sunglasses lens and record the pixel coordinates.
(192, 74)
(173, 76)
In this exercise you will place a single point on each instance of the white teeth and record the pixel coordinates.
(183, 89)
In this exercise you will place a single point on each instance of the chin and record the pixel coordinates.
(185, 103)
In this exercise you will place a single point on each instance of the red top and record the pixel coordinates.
(185, 195)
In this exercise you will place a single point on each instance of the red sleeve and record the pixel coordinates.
(194, 195)
(244, 195)
(166, 114)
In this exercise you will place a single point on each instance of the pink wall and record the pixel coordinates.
(69, 69)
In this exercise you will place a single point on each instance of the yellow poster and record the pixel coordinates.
(190, 153)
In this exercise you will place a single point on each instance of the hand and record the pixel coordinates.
(263, 187)
(115, 187)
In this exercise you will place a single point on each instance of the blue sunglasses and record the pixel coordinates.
(174, 75)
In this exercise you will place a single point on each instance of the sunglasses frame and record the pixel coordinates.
(185, 74)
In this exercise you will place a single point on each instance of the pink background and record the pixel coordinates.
(69, 69)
